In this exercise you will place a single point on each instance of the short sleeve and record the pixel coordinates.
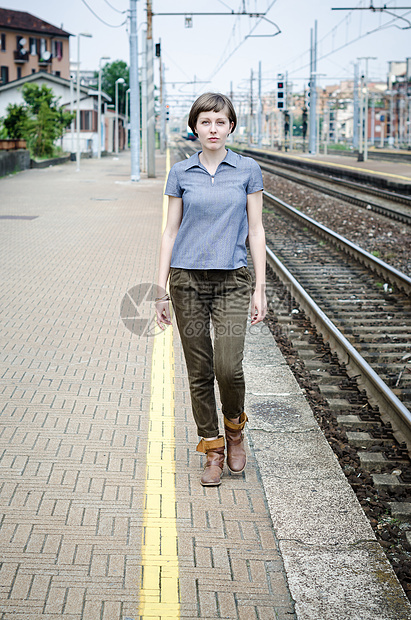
(173, 187)
(255, 183)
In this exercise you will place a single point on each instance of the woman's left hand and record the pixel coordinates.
(258, 306)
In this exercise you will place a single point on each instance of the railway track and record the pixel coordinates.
(371, 198)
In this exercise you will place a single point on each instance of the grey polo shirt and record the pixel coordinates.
(214, 227)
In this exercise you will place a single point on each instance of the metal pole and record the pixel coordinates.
(72, 110)
(313, 92)
(127, 116)
(162, 107)
(151, 129)
(260, 107)
(99, 113)
(78, 105)
(355, 111)
(250, 118)
(372, 137)
(360, 137)
(134, 95)
(116, 121)
(144, 103)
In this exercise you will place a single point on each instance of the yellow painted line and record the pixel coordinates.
(357, 168)
(159, 589)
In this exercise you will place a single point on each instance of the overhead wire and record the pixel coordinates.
(102, 20)
(366, 34)
(114, 8)
(221, 63)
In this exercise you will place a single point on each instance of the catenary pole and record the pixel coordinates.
(313, 91)
(144, 102)
(151, 144)
(162, 106)
(134, 95)
(260, 107)
(356, 109)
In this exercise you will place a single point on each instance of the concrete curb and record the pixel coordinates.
(335, 567)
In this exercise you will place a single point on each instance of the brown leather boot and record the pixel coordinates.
(236, 457)
(213, 469)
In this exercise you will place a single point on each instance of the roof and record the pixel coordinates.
(19, 20)
(48, 77)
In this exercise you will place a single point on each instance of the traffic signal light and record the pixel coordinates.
(158, 50)
(167, 112)
(280, 95)
(305, 117)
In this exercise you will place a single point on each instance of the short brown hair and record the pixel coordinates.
(211, 102)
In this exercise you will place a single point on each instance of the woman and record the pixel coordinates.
(215, 202)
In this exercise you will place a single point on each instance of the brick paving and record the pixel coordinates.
(75, 397)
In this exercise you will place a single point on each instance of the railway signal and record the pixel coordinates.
(280, 93)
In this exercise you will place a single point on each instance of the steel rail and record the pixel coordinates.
(375, 386)
(393, 214)
(326, 174)
(400, 279)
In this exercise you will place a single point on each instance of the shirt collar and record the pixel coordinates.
(194, 160)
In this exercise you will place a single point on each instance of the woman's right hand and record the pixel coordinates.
(163, 314)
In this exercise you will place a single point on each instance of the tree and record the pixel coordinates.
(40, 120)
(109, 74)
(16, 120)
(34, 95)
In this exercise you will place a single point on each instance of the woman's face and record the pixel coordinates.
(213, 128)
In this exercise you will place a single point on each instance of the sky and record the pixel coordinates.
(217, 54)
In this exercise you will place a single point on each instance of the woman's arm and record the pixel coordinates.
(256, 240)
(174, 217)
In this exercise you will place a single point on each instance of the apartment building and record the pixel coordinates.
(28, 45)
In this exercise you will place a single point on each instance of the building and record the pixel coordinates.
(28, 45)
(66, 92)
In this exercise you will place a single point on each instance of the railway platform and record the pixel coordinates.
(390, 175)
(102, 516)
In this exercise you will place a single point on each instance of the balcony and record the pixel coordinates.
(21, 56)
(45, 60)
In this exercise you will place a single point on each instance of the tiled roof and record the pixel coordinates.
(19, 20)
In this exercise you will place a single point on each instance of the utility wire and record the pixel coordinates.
(221, 62)
(102, 20)
(114, 8)
(383, 27)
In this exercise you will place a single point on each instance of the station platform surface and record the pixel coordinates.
(102, 516)
(393, 172)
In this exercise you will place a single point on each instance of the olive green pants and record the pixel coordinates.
(220, 298)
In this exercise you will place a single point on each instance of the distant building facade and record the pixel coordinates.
(28, 45)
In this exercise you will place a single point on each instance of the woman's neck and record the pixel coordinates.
(211, 159)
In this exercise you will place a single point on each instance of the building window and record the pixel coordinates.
(57, 73)
(34, 46)
(4, 75)
(19, 73)
(85, 121)
(2, 42)
(58, 49)
(43, 47)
